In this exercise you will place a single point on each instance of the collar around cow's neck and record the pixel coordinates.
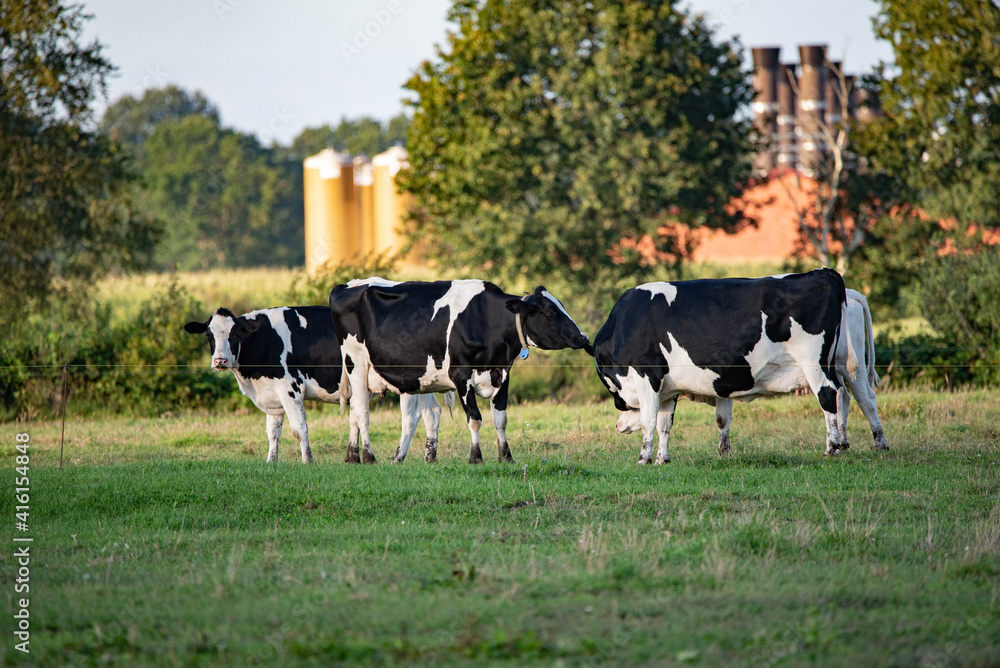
(520, 334)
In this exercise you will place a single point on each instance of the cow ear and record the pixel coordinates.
(245, 328)
(195, 327)
(519, 306)
(539, 290)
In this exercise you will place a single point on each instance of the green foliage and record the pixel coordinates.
(941, 129)
(358, 135)
(545, 134)
(891, 262)
(939, 139)
(923, 360)
(157, 365)
(144, 364)
(959, 295)
(224, 200)
(129, 121)
(66, 215)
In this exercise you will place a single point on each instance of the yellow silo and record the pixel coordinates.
(363, 184)
(390, 205)
(332, 229)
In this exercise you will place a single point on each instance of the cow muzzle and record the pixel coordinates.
(220, 363)
(628, 422)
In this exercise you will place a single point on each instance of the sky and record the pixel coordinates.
(273, 69)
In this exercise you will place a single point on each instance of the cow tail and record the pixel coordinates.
(873, 379)
(852, 357)
(449, 401)
(841, 414)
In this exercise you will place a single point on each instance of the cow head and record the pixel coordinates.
(546, 323)
(225, 332)
(628, 422)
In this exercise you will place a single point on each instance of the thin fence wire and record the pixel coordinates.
(180, 367)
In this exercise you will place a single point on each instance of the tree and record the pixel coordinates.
(941, 130)
(546, 133)
(224, 199)
(130, 121)
(939, 139)
(65, 210)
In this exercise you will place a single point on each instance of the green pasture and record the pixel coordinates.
(169, 541)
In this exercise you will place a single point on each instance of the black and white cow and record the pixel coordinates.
(723, 339)
(282, 356)
(862, 386)
(445, 335)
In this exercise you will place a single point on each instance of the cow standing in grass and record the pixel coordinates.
(862, 386)
(282, 356)
(723, 339)
(438, 336)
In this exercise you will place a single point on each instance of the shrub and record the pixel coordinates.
(145, 364)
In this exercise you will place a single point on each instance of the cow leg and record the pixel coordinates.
(475, 421)
(723, 417)
(825, 390)
(296, 412)
(274, 423)
(865, 396)
(648, 411)
(431, 411)
(409, 409)
(499, 405)
(844, 398)
(352, 420)
(664, 420)
(358, 377)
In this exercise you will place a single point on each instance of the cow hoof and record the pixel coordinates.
(368, 458)
(352, 456)
(660, 462)
(506, 459)
(396, 460)
(475, 460)
(430, 459)
(882, 448)
(724, 453)
(643, 462)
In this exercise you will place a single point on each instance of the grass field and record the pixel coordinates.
(170, 542)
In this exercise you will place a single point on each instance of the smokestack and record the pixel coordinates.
(765, 107)
(811, 107)
(786, 116)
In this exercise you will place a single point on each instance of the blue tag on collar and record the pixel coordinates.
(524, 353)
